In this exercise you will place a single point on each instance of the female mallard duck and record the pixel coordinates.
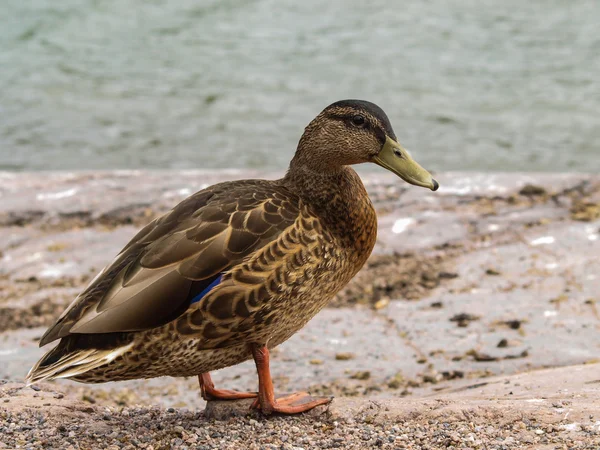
(235, 269)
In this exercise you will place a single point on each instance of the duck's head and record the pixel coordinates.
(353, 132)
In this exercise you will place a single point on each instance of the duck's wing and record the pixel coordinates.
(179, 257)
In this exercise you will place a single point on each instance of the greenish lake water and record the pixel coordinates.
(471, 85)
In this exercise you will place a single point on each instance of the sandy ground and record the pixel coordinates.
(492, 278)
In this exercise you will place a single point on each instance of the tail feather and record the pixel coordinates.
(72, 364)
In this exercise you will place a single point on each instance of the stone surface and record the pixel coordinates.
(569, 396)
(492, 276)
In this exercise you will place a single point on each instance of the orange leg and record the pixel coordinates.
(208, 391)
(292, 404)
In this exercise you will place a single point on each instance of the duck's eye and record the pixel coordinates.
(358, 120)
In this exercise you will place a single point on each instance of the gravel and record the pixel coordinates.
(154, 428)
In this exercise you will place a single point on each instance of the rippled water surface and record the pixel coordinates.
(483, 85)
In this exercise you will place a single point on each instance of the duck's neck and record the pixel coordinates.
(324, 188)
(339, 197)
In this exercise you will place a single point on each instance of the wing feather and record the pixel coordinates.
(151, 280)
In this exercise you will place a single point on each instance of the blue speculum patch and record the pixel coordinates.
(207, 289)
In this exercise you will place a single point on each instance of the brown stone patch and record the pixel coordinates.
(398, 276)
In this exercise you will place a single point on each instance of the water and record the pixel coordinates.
(482, 85)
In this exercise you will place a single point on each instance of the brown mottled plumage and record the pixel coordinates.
(234, 269)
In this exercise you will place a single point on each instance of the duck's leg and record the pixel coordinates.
(292, 404)
(208, 391)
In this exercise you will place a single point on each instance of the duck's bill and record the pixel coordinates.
(396, 159)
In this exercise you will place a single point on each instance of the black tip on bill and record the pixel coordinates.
(436, 185)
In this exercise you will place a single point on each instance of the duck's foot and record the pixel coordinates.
(208, 391)
(296, 403)
(266, 402)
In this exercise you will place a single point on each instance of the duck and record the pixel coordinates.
(235, 269)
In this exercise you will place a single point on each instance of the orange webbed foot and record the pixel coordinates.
(226, 394)
(296, 403)
(208, 391)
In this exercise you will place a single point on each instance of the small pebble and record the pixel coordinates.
(344, 356)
